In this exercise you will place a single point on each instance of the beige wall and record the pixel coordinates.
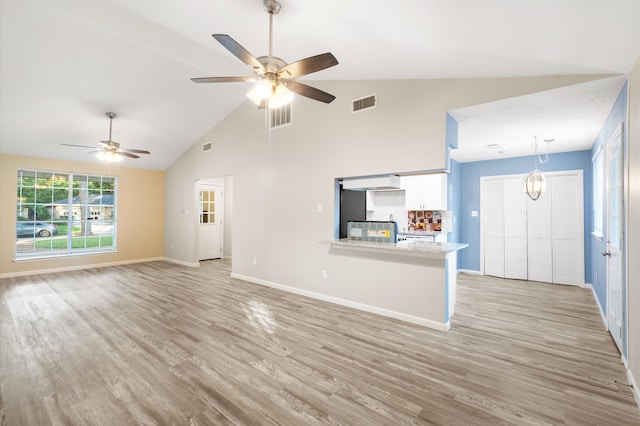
(633, 230)
(140, 214)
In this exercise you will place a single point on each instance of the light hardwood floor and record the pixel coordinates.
(159, 343)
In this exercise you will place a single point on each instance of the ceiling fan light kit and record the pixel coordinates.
(275, 84)
(109, 156)
(110, 151)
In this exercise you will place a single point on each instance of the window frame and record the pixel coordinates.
(41, 196)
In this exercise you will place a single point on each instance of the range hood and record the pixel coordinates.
(373, 183)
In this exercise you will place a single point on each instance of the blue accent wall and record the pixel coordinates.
(454, 195)
(597, 263)
(469, 187)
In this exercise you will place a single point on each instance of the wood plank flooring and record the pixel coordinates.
(159, 343)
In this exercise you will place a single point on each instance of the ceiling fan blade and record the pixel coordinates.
(77, 146)
(222, 79)
(308, 91)
(127, 154)
(238, 51)
(308, 65)
(137, 151)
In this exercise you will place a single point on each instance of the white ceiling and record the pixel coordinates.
(64, 63)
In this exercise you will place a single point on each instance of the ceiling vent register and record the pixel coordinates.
(364, 103)
(280, 116)
(206, 146)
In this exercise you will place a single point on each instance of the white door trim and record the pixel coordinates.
(617, 135)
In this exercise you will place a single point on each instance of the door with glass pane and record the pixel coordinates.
(210, 226)
(614, 239)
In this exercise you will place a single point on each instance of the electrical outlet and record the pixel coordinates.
(324, 274)
(255, 261)
(319, 208)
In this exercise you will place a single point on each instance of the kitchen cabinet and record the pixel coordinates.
(426, 192)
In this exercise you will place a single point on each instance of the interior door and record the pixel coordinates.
(515, 229)
(568, 229)
(540, 236)
(210, 227)
(614, 238)
(493, 226)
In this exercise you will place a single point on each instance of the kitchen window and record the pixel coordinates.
(63, 214)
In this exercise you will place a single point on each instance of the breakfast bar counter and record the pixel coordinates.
(407, 248)
(414, 281)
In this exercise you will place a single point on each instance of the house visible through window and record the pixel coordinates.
(59, 214)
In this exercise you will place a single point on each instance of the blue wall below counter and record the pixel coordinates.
(466, 187)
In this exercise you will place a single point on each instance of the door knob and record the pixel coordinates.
(606, 253)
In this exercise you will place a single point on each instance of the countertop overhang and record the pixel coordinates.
(428, 249)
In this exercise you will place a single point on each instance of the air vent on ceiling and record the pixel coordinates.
(206, 146)
(280, 116)
(364, 103)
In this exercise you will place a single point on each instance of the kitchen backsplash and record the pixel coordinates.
(425, 220)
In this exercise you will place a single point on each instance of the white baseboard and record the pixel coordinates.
(634, 385)
(349, 303)
(595, 296)
(78, 267)
(182, 262)
(468, 271)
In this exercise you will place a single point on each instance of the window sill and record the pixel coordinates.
(61, 256)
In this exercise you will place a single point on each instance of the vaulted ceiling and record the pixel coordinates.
(64, 63)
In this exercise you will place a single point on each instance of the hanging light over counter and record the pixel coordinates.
(535, 184)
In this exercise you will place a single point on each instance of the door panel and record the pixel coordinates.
(614, 238)
(568, 231)
(515, 229)
(540, 261)
(493, 220)
(539, 232)
(210, 227)
(515, 258)
(567, 264)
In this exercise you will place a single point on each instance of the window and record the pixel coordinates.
(598, 188)
(61, 214)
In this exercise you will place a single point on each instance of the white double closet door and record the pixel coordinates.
(540, 240)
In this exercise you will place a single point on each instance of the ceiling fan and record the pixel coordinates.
(275, 78)
(110, 150)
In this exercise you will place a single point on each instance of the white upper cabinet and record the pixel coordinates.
(426, 192)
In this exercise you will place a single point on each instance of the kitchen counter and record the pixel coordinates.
(408, 248)
(414, 281)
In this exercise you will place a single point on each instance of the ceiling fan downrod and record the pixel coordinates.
(111, 116)
(273, 8)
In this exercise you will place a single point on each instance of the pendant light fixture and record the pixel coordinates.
(535, 184)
